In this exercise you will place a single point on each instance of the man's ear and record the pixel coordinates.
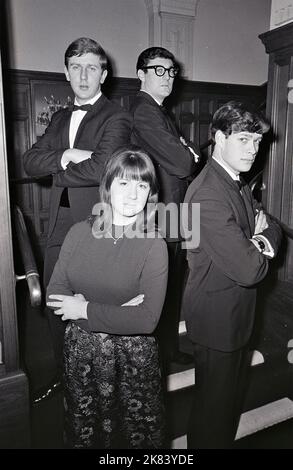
(220, 138)
(141, 75)
(66, 73)
(103, 76)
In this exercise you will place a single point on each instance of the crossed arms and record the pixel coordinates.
(84, 165)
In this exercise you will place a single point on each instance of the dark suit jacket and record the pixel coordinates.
(155, 132)
(220, 294)
(103, 130)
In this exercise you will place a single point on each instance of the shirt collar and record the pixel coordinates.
(233, 176)
(143, 91)
(91, 101)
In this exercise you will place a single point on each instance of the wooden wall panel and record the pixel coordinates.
(278, 173)
(14, 412)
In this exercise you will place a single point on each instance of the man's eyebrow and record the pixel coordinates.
(160, 65)
(250, 134)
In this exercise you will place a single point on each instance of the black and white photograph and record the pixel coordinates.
(146, 243)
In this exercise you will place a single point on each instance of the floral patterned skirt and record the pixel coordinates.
(113, 391)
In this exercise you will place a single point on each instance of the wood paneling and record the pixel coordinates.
(278, 175)
(14, 412)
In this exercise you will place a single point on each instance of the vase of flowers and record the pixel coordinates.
(52, 105)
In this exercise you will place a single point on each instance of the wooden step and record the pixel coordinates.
(254, 420)
(185, 378)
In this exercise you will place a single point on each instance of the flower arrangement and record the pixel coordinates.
(53, 105)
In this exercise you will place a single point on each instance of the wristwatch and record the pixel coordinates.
(261, 245)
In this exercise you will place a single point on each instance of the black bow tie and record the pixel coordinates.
(83, 107)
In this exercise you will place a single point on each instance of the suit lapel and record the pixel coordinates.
(65, 129)
(172, 125)
(242, 203)
(247, 198)
(167, 118)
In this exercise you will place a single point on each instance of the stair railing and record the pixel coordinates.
(30, 268)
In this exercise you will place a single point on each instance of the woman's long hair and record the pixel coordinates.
(130, 163)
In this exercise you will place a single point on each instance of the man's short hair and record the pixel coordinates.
(153, 53)
(235, 116)
(83, 46)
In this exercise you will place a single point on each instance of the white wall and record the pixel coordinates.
(41, 30)
(282, 13)
(227, 47)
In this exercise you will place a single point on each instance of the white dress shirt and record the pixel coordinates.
(75, 120)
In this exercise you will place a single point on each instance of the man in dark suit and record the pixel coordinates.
(76, 145)
(175, 161)
(237, 240)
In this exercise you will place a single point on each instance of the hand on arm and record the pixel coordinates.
(196, 157)
(152, 133)
(260, 222)
(134, 302)
(74, 307)
(87, 171)
(260, 241)
(75, 156)
(225, 242)
(256, 244)
(69, 307)
(267, 230)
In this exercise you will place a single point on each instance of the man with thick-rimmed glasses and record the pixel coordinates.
(175, 161)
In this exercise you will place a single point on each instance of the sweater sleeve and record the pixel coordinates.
(142, 319)
(59, 282)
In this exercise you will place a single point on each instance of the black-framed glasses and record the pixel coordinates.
(160, 70)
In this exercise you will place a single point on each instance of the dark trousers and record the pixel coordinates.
(167, 329)
(220, 384)
(54, 243)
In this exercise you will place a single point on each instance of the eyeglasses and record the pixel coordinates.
(160, 70)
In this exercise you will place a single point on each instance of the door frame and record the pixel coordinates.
(14, 394)
(8, 316)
